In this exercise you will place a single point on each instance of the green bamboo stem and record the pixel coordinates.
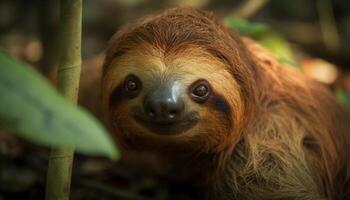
(61, 160)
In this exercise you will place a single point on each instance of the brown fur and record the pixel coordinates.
(288, 139)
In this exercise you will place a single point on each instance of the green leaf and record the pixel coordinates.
(343, 97)
(33, 109)
(253, 30)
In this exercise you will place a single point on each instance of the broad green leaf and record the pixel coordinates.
(343, 97)
(33, 109)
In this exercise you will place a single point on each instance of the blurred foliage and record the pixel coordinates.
(252, 29)
(343, 97)
(280, 48)
(33, 109)
(274, 42)
(277, 45)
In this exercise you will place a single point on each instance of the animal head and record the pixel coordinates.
(178, 78)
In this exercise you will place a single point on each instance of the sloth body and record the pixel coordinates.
(222, 112)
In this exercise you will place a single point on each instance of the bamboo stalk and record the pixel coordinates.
(61, 160)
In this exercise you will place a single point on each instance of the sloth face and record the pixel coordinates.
(184, 96)
(163, 109)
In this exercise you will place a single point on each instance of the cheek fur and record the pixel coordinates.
(212, 131)
(219, 103)
(117, 95)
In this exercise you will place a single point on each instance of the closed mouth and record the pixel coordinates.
(173, 128)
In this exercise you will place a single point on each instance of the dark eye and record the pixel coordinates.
(200, 90)
(132, 85)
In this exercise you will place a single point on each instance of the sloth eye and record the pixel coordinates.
(200, 91)
(132, 86)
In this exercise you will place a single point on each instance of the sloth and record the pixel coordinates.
(222, 112)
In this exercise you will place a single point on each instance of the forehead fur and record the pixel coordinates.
(174, 29)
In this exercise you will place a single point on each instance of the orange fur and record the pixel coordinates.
(289, 137)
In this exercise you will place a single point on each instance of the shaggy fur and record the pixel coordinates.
(288, 138)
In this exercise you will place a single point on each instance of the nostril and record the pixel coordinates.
(172, 113)
(152, 113)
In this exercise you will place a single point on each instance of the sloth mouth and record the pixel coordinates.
(168, 128)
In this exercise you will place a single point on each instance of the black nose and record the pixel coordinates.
(164, 105)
